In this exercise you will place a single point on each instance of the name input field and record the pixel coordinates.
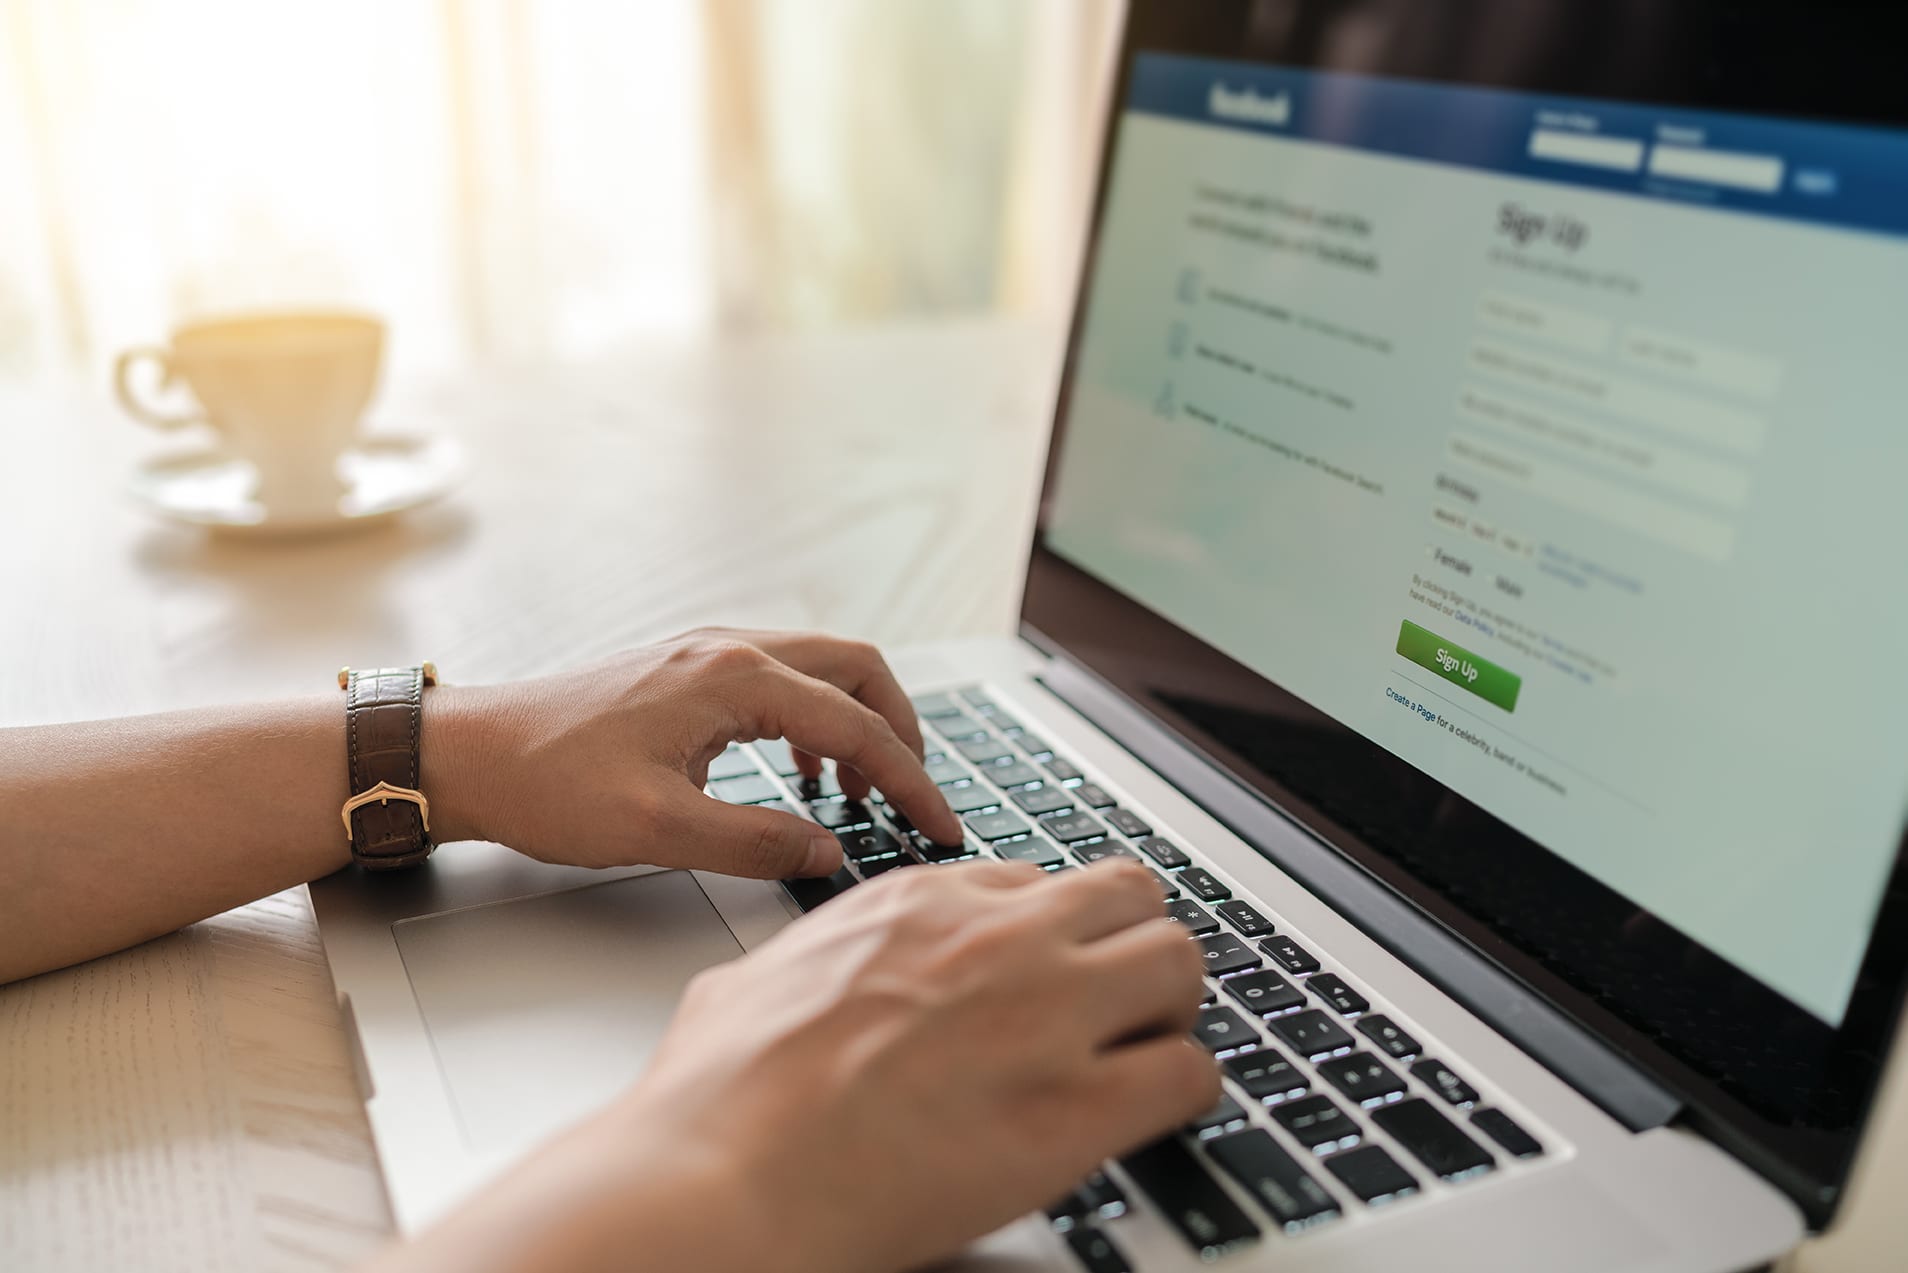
(1695, 533)
(1618, 154)
(1697, 419)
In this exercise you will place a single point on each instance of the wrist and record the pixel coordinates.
(459, 763)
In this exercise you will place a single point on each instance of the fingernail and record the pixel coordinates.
(821, 856)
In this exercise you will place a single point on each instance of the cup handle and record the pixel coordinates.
(122, 386)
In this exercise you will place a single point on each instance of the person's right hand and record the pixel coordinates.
(928, 1057)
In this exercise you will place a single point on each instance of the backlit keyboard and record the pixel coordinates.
(1331, 1108)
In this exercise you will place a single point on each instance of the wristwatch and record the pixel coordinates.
(387, 819)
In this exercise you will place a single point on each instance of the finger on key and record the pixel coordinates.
(1144, 980)
(854, 667)
(823, 719)
(1101, 900)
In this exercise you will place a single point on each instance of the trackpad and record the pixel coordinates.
(541, 1009)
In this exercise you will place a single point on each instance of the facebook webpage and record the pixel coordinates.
(1557, 446)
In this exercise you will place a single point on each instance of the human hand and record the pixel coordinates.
(926, 1058)
(604, 765)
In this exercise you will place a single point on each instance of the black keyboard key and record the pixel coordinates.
(1200, 882)
(1039, 800)
(1274, 1178)
(1331, 987)
(1095, 1250)
(1095, 1198)
(1318, 1124)
(1242, 917)
(946, 769)
(1312, 1034)
(1266, 1076)
(1288, 955)
(1363, 1078)
(842, 815)
(1164, 852)
(1391, 1040)
(1373, 1175)
(1517, 1142)
(933, 705)
(1063, 770)
(969, 797)
(933, 852)
(1193, 916)
(1101, 850)
(748, 789)
(1039, 748)
(1167, 888)
(777, 754)
(1440, 1078)
(822, 788)
(983, 750)
(1092, 795)
(1433, 1139)
(1225, 954)
(1034, 849)
(1012, 775)
(1126, 822)
(998, 719)
(959, 727)
(1221, 1030)
(1189, 1198)
(1227, 1116)
(975, 696)
(810, 893)
(733, 763)
(1264, 992)
(881, 866)
(871, 843)
(1072, 827)
(1002, 824)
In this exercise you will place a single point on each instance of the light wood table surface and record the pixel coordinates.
(188, 1104)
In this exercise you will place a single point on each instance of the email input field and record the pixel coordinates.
(1619, 154)
(1697, 419)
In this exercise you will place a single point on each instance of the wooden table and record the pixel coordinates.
(188, 1104)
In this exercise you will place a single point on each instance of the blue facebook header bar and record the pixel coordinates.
(1851, 176)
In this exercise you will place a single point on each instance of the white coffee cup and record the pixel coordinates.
(285, 391)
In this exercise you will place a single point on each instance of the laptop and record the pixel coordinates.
(1467, 561)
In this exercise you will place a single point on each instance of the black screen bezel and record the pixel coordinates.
(1786, 1092)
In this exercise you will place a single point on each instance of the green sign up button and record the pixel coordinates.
(1459, 666)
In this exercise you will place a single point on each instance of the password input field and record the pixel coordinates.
(1760, 173)
(1618, 154)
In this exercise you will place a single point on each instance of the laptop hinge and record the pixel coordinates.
(1573, 1053)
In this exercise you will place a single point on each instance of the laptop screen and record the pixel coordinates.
(1555, 445)
(1494, 455)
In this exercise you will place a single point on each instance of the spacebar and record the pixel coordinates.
(1190, 1199)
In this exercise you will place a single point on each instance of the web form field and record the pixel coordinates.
(1692, 532)
(1698, 419)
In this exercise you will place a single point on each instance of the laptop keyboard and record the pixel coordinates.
(1331, 1108)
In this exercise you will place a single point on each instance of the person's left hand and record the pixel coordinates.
(604, 765)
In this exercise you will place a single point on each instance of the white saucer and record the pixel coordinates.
(382, 475)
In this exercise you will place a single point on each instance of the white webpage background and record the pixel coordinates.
(1742, 770)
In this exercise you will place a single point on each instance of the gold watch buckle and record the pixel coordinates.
(384, 793)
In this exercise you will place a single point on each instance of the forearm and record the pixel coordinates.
(119, 831)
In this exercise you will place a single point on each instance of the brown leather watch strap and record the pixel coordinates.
(387, 817)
